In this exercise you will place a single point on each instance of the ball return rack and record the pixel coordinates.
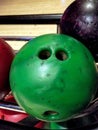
(88, 119)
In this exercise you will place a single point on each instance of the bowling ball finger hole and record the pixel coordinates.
(44, 54)
(50, 113)
(61, 55)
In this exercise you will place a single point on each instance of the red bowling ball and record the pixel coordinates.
(6, 56)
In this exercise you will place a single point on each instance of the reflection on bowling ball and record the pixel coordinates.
(54, 77)
(80, 20)
(6, 57)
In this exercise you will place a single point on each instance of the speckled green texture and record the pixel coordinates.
(53, 87)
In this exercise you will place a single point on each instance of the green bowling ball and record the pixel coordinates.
(53, 78)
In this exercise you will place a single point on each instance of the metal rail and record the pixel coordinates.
(11, 107)
(31, 19)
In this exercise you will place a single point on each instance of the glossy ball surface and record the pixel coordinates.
(6, 56)
(80, 20)
(54, 77)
